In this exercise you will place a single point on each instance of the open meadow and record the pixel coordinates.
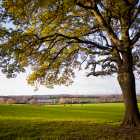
(90, 121)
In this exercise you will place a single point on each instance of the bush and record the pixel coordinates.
(2, 101)
(10, 101)
(33, 101)
(62, 101)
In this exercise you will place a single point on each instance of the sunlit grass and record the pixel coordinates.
(92, 121)
(88, 112)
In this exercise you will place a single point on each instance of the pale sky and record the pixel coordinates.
(82, 86)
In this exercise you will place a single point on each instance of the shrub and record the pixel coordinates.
(2, 101)
(10, 101)
(33, 101)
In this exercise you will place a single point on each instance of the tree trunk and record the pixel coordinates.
(126, 80)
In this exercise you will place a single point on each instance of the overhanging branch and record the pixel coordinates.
(136, 14)
(102, 6)
(135, 39)
(127, 2)
(92, 32)
(85, 6)
(86, 42)
(96, 27)
(105, 26)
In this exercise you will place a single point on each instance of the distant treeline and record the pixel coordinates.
(62, 99)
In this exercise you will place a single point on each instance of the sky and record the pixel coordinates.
(82, 86)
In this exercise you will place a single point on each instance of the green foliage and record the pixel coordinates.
(55, 37)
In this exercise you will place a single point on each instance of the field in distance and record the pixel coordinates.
(88, 99)
(93, 121)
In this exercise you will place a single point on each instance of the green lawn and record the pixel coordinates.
(90, 121)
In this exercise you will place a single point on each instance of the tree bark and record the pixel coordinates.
(126, 80)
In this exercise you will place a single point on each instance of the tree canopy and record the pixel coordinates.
(54, 37)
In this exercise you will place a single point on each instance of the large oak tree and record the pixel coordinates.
(55, 37)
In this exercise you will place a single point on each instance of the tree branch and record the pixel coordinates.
(91, 32)
(105, 26)
(104, 71)
(96, 27)
(101, 53)
(102, 6)
(86, 42)
(54, 58)
(135, 39)
(104, 37)
(110, 59)
(86, 7)
(136, 14)
(127, 2)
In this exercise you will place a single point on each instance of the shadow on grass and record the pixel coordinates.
(39, 129)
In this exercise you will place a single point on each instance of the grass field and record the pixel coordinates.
(90, 121)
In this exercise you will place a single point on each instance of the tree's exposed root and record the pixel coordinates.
(132, 123)
(131, 120)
